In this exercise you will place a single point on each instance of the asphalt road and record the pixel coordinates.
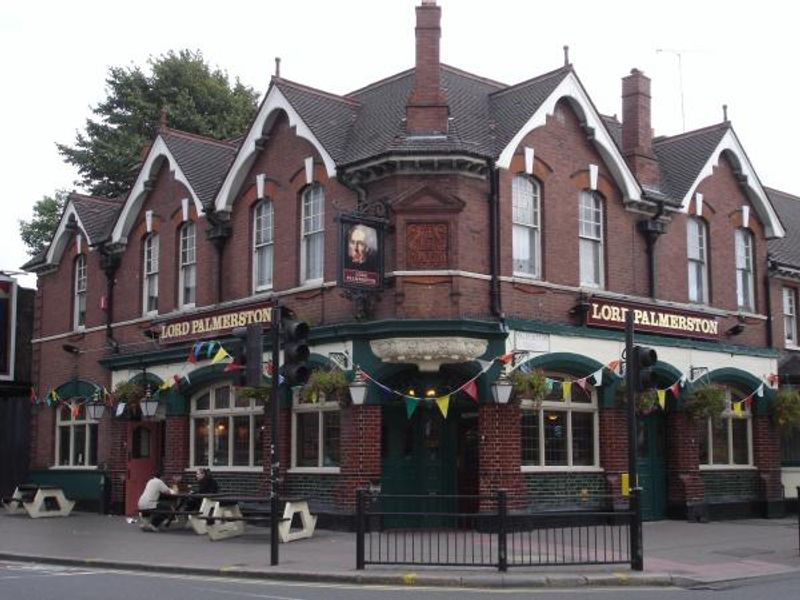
(20, 581)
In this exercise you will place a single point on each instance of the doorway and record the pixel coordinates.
(144, 458)
(651, 465)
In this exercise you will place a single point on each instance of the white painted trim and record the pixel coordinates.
(698, 207)
(308, 164)
(138, 193)
(316, 470)
(185, 209)
(564, 469)
(593, 172)
(745, 216)
(758, 197)
(571, 88)
(12, 338)
(529, 156)
(58, 245)
(274, 101)
(260, 180)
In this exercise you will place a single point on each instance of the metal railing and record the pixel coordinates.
(481, 531)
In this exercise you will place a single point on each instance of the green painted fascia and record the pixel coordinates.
(409, 328)
(660, 340)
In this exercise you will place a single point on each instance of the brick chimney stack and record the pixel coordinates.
(427, 111)
(637, 133)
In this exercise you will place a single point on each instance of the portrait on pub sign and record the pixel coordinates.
(360, 253)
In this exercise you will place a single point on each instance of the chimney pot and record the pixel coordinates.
(427, 111)
(637, 132)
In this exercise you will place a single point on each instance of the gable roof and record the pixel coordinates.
(97, 215)
(786, 250)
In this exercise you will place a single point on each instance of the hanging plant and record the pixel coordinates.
(786, 409)
(330, 384)
(647, 402)
(128, 393)
(260, 394)
(706, 401)
(530, 386)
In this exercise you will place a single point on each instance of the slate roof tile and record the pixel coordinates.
(786, 250)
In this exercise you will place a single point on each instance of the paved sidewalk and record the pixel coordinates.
(676, 553)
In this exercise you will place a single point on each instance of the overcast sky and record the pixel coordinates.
(55, 56)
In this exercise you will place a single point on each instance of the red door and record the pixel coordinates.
(144, 456)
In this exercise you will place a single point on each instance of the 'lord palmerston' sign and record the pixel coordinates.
(212, 324)
(604, 313)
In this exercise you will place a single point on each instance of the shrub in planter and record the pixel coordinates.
(332, 384)
(786, 409)
(529, 386)
(260, 394)
(130, 394)
(705, 401)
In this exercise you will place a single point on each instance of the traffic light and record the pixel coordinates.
(642, 363)
(249, 355)
(295, 349)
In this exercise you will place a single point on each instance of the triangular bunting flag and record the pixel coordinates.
(614, 365)
(187, 378)
(443, 402)
(737, 408)
(485, 364)
(191, 358)
(219, 356)
(506, 358)
(107, 399)
(33, 395)
(566, 390)
(120, 409)
(760, 391)
(548, 384)
(471, 390)
(165, 385)
(75, 409)
(682, 380)
(177, 379)
(582, 383)
(675, 388)
(525, 367)
(773, 379)
(211, 348)
(411, 405)
(598, 377)
(662, 398)
(232, 366)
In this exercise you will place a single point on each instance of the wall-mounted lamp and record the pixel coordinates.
(95, 409)
(735, 330)
(149, 404)
(71, 349)
(695, 372)
(501, 389)
(358, 389)
(152, 334)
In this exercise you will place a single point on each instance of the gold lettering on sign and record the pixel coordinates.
(427, 245)
(608, 314)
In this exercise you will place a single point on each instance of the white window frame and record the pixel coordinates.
(263, 243)
(569, 407)
(789, 316)
(697, 259)
(320, 407)
(150, 260)
(187, 263)
(591, 235)
(727, 416)
(79, 293)
(526, 222)
(745, 276)
(67, 427)
(312, 227)
(252, 411)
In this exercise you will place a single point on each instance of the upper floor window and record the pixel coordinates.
(745, 298)
(227, 429)
(697, 252)
(79, 294)
(590, 231)
(150, 278)
(526, 218)
(262, 246)
(727, 440)
(312, 239)
(790, 316)
(561, 433)
(187, 275)
(76, 437)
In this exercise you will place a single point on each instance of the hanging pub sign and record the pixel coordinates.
(360, 252)
(652, 319)
(213, 323)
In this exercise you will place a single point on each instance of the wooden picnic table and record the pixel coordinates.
(39, 501)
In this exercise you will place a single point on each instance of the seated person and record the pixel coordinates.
(150, 500)
(206, 484)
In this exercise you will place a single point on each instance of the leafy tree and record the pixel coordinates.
(37, 232)
(197, 98)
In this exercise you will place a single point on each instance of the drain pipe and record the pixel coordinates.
(768, 302)
(652, 228)
(218, 235)
(495, 300)
(109, 263)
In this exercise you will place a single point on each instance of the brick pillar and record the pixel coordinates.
(176, 453)
(614, 451)
(43, 437)
(360, 447)
(117, 461)
(686, 491)
(500, 453)
(767, 459)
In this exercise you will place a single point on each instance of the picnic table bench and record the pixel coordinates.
(39, 501)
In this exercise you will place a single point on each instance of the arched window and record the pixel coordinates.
(527, 231)
(728, 440)
(79, 293)
(312, 236)
(590, 232)
(561, 433)
(697, 253)
(262, 246)
(150, 275)
(187, 272)
(745, 295)
(227, 429)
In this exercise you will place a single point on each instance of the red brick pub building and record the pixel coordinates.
(493, 218)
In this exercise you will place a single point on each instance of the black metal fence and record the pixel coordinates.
(481, 531)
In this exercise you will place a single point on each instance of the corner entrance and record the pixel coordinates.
(651, 465)
(144, 457)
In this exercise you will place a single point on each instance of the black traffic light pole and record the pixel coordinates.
(631, 385)
(274, 470)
